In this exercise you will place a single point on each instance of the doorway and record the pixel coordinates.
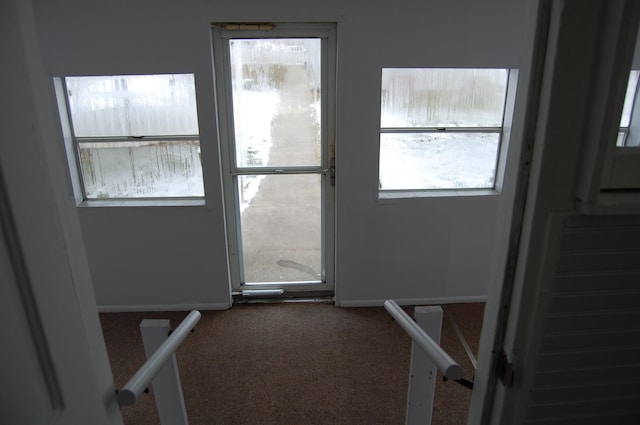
(275, 86)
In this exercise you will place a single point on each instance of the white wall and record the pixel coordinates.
(413, 249)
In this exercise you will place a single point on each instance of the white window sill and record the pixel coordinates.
(143, 203)
(402, 194)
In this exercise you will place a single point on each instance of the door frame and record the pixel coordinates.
(57, 370)
(326, 32)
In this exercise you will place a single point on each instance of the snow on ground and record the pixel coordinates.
(173, 168)
(253, 114)
(410, 161)
(407, 160)
(415, 161)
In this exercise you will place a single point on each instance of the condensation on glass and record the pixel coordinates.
(276, 97)
(440, 128)
(258, 70)
(149, 169)
(443, 97)
(136, 135)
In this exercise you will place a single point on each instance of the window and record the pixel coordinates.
(609, 180)
(626, 138)
(135, 136)
(621, 172)
(440, 128)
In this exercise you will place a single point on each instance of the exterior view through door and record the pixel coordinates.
(274, 97)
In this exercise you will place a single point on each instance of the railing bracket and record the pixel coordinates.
(464, 382)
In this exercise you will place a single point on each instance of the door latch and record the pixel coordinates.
(332, 171)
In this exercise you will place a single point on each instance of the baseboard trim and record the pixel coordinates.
(412, 301)
(338, 303)
(162, 307)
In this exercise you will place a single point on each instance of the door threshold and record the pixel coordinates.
(285, 297)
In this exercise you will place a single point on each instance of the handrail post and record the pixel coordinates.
(422, 372)
(426, 356)
(449, 368)
(167, 389)
(142, 378)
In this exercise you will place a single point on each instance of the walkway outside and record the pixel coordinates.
(281, 228)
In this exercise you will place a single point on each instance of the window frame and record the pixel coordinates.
(621, 170)
(73, 145)
(501, 151)
(609, 178)
(632, 128)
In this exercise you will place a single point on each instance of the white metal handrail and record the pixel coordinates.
(449, 368)
(140, 381)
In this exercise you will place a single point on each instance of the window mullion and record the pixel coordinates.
(129, 139)
(440, 130)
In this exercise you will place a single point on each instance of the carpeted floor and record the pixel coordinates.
(294, 363)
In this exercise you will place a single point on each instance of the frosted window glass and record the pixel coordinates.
(443, 97)
(133, 105)
(145, 169)
(415, 161)
(276, 93)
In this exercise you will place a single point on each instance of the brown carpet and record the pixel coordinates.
(293, 363)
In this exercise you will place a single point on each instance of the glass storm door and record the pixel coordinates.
(274, 106)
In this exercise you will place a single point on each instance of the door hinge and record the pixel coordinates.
(505, 370)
